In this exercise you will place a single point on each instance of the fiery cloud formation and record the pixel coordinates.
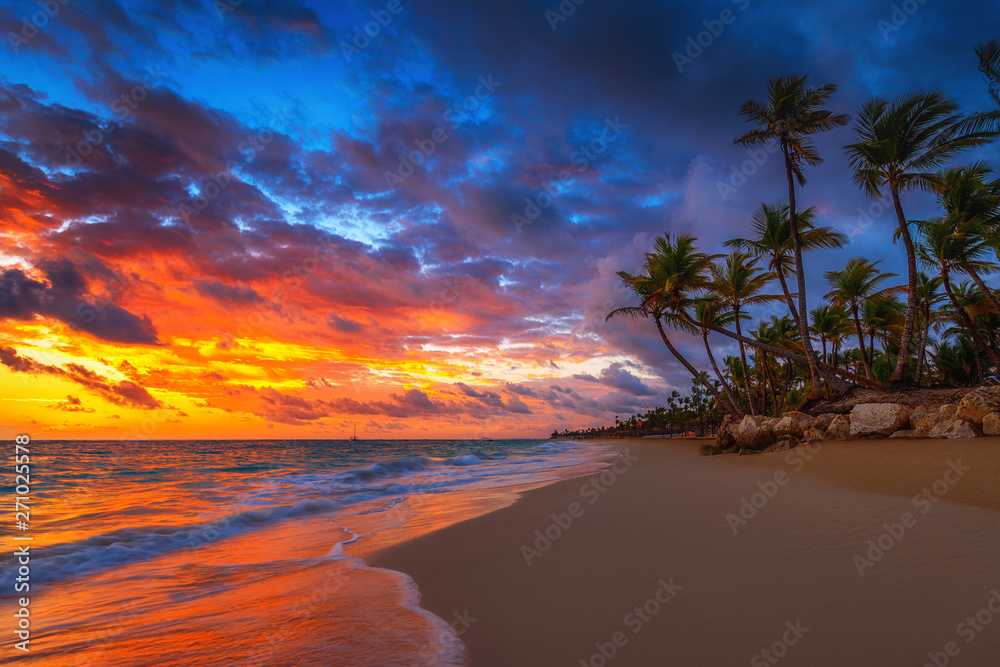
(208, 211)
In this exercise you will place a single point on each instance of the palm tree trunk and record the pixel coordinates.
(694, 373)
(922, 352)
(901, 374)
(743, 360)
(816, 391)
(788, 294)
(983, 288)
(861, 343)
(969, 324)
(722, 379)
(834, 374)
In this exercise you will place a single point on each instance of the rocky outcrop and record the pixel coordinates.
(955, 428)
(839, 428)
(754, 432)
(869, 419)
(918, 413)
(725, 438)
(782, 445)
(793, 424)
(823, 421)
(977, 414)
(978, 403)
(812, 435)
(991, 424)
(948, 410)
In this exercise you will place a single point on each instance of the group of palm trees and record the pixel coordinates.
(937, 326)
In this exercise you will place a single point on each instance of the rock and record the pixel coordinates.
(947, 410)
(823, 421)
(754, 432)
(910, 434)
(782, 445)
(878, 418)
(725, 439)
(978, 403)
(918, 413)
(709, 450)
(812, 435)
(954, 428)
(991, 424)
(927, 423)
(793, 423)
(839, 428)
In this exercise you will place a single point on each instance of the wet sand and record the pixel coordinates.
(669, 558)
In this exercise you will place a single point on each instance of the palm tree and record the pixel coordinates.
(683, 273)
(710, 310)
(989, 64)
(898, 143)
(972, 208)
(941, 248)
(829, 323)
(792, 113)
(738, 284)
(664, 291)
(773, 240)
(928, 297)
(882, 316)
(851, 286)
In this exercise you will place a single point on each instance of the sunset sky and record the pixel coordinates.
(231, 219)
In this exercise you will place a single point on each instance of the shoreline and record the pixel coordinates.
(653, 537)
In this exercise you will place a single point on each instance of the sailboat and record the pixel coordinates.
(354, 438)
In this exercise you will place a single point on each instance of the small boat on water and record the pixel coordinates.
(354, 438)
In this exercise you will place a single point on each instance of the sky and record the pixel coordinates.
(239, 219)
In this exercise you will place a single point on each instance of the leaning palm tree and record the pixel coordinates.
(664, 290)
(941, 248)
(772, 240)
(898, 144)
(739, 284)
(972, 207)
(682, 278)
(851, 286)
(709, 310)
(792, 113)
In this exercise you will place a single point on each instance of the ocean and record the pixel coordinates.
(252, 552)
